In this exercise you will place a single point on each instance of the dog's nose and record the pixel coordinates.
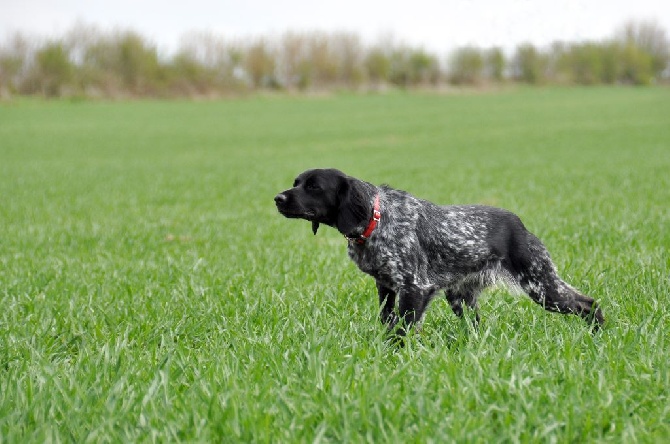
(280, 198)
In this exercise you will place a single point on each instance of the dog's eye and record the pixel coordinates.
(312, 186)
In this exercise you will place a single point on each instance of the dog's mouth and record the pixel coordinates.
(296, 214)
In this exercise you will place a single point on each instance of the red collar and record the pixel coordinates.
(376, 216)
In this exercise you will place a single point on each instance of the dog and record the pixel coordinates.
(414, 248)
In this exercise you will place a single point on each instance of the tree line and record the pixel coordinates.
(89, 62)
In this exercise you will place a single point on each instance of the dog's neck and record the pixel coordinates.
(372, 224)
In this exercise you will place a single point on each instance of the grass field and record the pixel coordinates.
(149, 291)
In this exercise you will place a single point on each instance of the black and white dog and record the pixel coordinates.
(414, 248)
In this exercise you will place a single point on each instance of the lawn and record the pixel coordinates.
(149, 291)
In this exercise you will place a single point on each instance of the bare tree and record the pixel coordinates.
(348, 51)
(291, 61)
(15, 59)
(259, 63)
(207, 48)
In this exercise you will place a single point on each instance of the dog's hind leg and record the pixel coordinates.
(464, 295)
(537, 276)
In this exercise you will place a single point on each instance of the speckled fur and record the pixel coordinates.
(419, 248)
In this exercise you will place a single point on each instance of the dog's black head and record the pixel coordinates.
(326, 196)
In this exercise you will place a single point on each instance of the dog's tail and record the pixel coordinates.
(537, 275)
(581, 305)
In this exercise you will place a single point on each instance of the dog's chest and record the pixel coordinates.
(365, 257)
(381, 263)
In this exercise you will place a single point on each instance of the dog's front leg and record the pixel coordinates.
(387, 305)
(412, 304)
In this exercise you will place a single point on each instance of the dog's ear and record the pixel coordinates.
(315, 227)
(353, 206)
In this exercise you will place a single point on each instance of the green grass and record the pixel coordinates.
(149, 291)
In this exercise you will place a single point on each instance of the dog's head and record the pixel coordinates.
(325, 196)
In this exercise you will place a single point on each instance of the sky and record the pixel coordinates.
(433, 24)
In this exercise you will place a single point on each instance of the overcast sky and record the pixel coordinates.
(436, 25)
